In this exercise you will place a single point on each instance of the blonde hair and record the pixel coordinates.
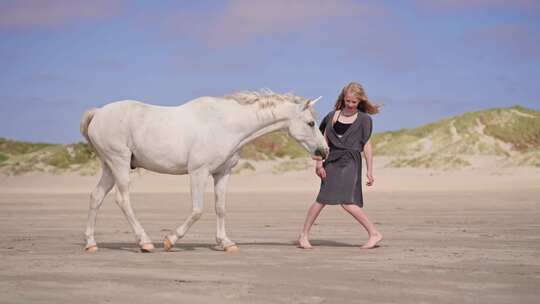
(356, 89)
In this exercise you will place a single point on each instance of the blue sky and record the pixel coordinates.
(424, 59)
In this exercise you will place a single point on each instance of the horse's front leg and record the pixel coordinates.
(220, 190)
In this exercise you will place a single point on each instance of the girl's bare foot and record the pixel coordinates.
(303, 242)
(372, 241)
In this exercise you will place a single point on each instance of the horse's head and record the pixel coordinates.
(304, 129)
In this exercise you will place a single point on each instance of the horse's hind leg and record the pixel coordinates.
(198, 181)
(96, 199)
(120, 170)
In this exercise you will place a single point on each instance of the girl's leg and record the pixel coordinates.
(374, 235)
(313, 213)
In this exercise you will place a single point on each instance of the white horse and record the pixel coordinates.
(202, 137)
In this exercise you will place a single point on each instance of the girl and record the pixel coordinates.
(347, 130)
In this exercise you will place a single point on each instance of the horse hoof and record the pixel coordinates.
(167, 245)
(147, 248)
(91, 249)
(232, 248)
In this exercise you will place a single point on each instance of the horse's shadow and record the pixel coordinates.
(181, 246)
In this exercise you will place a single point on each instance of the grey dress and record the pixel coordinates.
(343, 182)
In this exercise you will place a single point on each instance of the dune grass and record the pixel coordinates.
(63, 157)
(439, 144)
(3, 157)
(517, 126)
(523, 132)
(245, 166)
(273, 146)
(531, 158)
(13, 147)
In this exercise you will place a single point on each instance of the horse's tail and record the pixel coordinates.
(85, 122)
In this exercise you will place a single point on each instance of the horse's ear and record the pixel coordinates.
(311, 103)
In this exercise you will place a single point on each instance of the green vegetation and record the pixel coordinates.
(243, 167)
(531, 158)
(510, 133)
(63, 157)
(495, 132)
(21, 157)
(13, 147)
(517, 126)
(467, 121)
(271, 146)
(405, 141)
(523, 132)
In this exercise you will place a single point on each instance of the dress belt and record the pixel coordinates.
(336, 154)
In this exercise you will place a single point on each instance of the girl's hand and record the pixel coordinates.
(317, 158)
(370, 179)
(320, 172)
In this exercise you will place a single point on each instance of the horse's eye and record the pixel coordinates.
(311, 124)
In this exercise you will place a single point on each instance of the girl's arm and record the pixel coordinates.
(368, 155)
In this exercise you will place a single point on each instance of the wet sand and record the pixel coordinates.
(455, 245)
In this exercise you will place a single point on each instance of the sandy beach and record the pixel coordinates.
(466, 236)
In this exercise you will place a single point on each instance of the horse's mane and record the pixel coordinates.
(264, 98)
